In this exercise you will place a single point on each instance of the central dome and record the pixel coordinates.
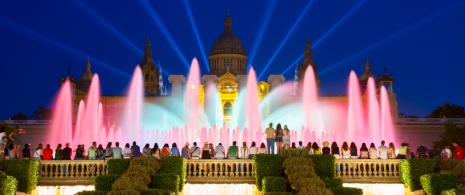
(228, 42)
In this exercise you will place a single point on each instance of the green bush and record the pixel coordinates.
(124, 192)
(104, 182)
(137, 176)
(412, 169)
(167, 181)
(435, 183)
(286, 153)
(150, 162)
(176, 165)
(8, 185)
(117, 166)
(131, 182)
(455, 191)
(2, 163)
(296, 168)
(311, 183)
(267, 165)
(449, 164)
(333, 183)
(158, 192)
(142, 169)
(27, 172)
(274, 184)
(347, 191)
(277, 193)
(459, 169)
(87, 192)
(324, 165)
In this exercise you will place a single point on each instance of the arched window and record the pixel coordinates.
(146, 77)
(227, 110)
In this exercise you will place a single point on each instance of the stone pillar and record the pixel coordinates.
(242, 81)
(176, 85)
(275, 80)
(209, 98)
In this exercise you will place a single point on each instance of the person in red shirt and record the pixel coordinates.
(48, 152)
(459, 151)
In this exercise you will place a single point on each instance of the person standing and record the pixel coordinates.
(459, 151)
(383, 151)
(270, 138)
(433, 152)
(422, 152)
(16, 136)
(48, 153)
(135, 150)
(117, 151)
(279, 137)
(67, 152)
(92, 151)
(219, 151)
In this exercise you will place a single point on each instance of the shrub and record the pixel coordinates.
(8, 185)
(167, 181)
(27, 173)
(455, 191)
(104, 182)
(124, 192)
(150, 162)
(158, 192)
(130, 182)
(267, 165)
(142, 170)
(449, 164)
(176, 165)
(333, 183)
(347, 191)
(286, 153)
(274, 184)
(296, 168)
(277, 193)
(137, 176)
(324, 165)
(459, 169)
(412, 169)
(117, 166)
(2, 163)
(308, 182)
(435, 183)
(87, 192)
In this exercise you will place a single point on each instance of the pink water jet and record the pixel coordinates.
(310, 102)
(62, 119)
(355, 125)
(132, 113)
(373, 111)
(387, 128)
(253, 119)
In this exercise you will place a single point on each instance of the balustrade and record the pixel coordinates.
(220, 171)
(368, 170)
(70, 171)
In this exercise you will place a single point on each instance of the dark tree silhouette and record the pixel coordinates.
(449, 111)
(19, 116)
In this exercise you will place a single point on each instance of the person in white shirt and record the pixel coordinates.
(253, 150)
(244, 150)
(219, 151)
(38, 153)
(372, 153)
(301, 147)
(383, 151)
(195, 151)
(262, 149)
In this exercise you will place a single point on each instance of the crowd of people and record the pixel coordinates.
(279, 136)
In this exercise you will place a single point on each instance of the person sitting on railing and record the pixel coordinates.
(345, 151)
(79, 152)
(165, 151)
(108, 152)
(372, 153)
(309, 148)
(383, 150)
(402, 151)
(219, 151)
(127, 152)
(67, 152)
(422, 152)
(212, 150)
(364, 151)
(301, 147)
(293, 145)
(392, 151)
(186, 151)
(155, 151)
(335, 150)
(92, 151)
(433, 152)
(100, 152)
(316, 149)
(195, 151)
(175, 150)
(262, 149)
(233, 151)
(326, 150)
(253, 150)
(117, 151)
(48, 153)
(26, 152)
(146, 151)
(206, 151)
(244, 151)
(135, 150)
(38, 154)
(353, 150)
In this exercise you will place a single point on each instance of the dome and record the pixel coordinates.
(228, 42)
(87, 75)
(367, 74)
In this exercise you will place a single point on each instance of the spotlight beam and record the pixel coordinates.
(395, 35)
(307, 7)
(154, 16)
(335, 26)
(261, 31)
(108, 26)
(292, 65)
(61, 46)
(194, 28)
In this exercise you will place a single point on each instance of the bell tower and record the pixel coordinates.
(149, 71)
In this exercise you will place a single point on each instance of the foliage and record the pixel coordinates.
(142, 169)
(8, 185)
(157, 192)
(435, 183)
(27, 173)
(324, 165)
(449, 164)
(177, 165)
(117, 166)
(455, 191)
(19, 116)
(2, 164)
(104, 182)
(459, 170)
(43, 113)
(293, 153)
(277, 193)
(149, 162)
(133, 177)
(312, 186)
(274, 184)
(167, 181)
(451, 133)
(296, 168)
(447, 110)
(412, 169)
(267, 165)
(88, 192)
(124, 192)
(333, 183)
(347, 191)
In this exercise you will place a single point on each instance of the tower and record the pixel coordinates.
(149, 71)
(308, 61)
(83, 83)
(387, 80)
(363, 80)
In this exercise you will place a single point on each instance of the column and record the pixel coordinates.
(176, 85)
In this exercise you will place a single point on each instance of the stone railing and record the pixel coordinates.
(71, 172)
(368, 170)
(431, 121)
(220, 171)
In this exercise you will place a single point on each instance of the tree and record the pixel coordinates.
(452, 133)
(449, 111)
(19, 116)
(43, 113)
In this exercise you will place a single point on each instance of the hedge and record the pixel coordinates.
(167, 181)
(267, 165)
(324, 165)
(449, 164)
(333, 183)
(27, 172)
(124, 192)
(87, 192)
(176, 165)
(455, 191)
(459, 169)
(158, 192)
(347, 191)
(277, 193)
(435, 183)
(117, 166)
(104, 182)
(412, 169)
(8, 185)
(274, 184)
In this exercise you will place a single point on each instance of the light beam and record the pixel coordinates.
(194, 28)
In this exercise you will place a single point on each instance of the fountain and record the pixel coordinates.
(180, 120)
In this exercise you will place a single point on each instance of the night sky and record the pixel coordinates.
(420, 42)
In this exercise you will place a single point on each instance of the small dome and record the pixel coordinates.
(87, 75)
(228, 42)
(367, 74)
